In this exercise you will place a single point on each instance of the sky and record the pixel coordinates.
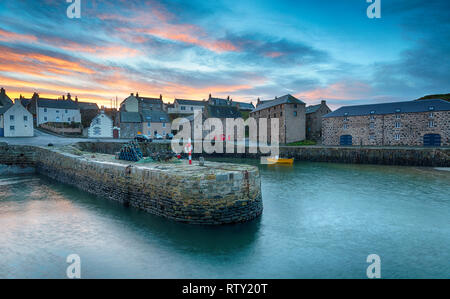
(246, 49)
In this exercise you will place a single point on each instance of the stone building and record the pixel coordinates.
(241, 106)
(5, 104)
(314, 116)
(413, 123)
(292, 115)
(143, 115)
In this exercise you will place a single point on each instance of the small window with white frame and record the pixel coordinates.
(397, 137)
(431, 114)
(398, 125)
(345, 126)
(431, 124)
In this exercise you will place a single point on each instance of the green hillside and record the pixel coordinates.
(436, 96)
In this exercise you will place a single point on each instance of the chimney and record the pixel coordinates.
(63, 97)
(35, 96)
(2, 91)
(258, 102)
(76, 99)
(324, 102)
(137, 94)
(132, 94)
(228, 98)
(160, 97)
(210, 97)
(69, 97)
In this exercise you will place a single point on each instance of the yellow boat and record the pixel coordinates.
(280, 161)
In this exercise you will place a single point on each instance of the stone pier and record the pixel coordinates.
(213, 194)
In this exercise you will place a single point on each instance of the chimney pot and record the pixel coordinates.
(324, 102)
(132, 94)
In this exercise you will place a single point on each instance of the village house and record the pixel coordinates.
(101, 127)
(15, 120)
(241, 106)
(156, 123)
(141, 115)
(186, 106)
(54, 111)
(314, 116)
(291, 113)
(413, 123)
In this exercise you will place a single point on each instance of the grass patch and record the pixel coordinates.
(302, 143)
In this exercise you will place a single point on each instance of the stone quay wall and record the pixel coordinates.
(403, 156)
(16, 159)
(211, 195)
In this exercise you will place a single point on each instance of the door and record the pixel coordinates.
(346, 140)
(2, 132)
(432, 140)
(116, 134)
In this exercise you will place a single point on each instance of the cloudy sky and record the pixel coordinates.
(317, 49)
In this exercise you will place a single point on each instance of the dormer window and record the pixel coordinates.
(431, 108)
(398, 110)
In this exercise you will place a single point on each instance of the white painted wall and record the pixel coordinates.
(101, 127)
(54, 115)
(18, 122)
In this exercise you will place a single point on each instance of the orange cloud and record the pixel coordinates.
(8, 36)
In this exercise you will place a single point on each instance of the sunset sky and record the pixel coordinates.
(246, 49)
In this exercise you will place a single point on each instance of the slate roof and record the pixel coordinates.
(57, 104)
(87, 106)
(243, 105)
(5, 108)
(4, 99)
(190, 102)
(130, 117)
(287, 99)
(391, 108)
(219, 101)
(156, 101)
(313, 108)
(155, 116)
(24, 101)
(223, 112)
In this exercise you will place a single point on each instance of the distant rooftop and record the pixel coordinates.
(87, 106)
(392, 108)
(57, 104)
(190, 102)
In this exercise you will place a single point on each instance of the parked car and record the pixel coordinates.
(169, 136)
(158, 137)
(143, 138)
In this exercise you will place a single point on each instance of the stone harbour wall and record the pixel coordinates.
(16, 159)
(213, 194)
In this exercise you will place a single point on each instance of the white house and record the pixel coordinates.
(18, 121)
(55, 111)
(101, 127)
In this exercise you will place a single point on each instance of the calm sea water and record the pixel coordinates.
(320, 221)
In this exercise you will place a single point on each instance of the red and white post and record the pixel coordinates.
(189, 151)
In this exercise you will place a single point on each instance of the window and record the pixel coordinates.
(12, 128)
(149, 125)
(164, 133)
(431, 114)
(372, 125)
(11, 117)
(57, 111)
(372, 117)
(431, 108)
(295, 105)
(281, 114)
(397, 116)
(45, 118)
(164, 125)
(183, 108)
(275, 115)
(67, 111)
(57, 118)
(45, 109)
(192, 108)
(345, 126)
(25, 118)
(398, 110)
(68, 119)
(295, 113)
(97, 131)
(345, 118)
(431, 124)
(398, 125)
(372, 137)
(397, 137)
